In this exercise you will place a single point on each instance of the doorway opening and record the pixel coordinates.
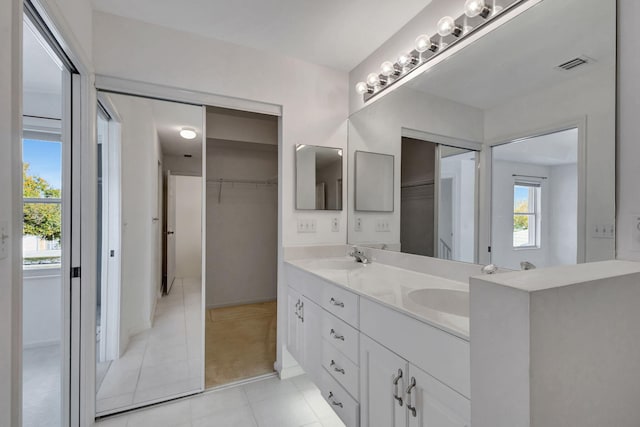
(241, 224)
(48, 77)
(534, 200)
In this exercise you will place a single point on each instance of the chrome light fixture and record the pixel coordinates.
(473, 8)
(477, 13)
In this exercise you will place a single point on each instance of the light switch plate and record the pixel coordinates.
(335, 224)
(635, 232)
(4, 239)
(358, 224)
(306, 225)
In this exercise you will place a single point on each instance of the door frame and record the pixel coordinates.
(579, 123)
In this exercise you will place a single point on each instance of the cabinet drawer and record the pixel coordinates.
(442, 355)
(340, 335)
(344, 405)
(340, 368)
(341, 303)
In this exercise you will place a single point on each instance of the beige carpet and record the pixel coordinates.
(240, 342)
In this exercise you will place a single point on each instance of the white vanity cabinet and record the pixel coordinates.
(374, 365)
(396, 393)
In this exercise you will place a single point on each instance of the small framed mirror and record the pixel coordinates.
(318, 178)
(374, 182)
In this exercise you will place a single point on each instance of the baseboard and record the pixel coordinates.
(243, 302)
(290, 372)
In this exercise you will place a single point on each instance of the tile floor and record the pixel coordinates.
(295, 402)
(163, 361)
(41, 387)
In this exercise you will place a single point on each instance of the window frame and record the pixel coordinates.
(534, 213)
(45, 130)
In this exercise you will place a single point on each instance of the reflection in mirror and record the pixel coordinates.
(499, 89)
(534, 201)
(437, 200)
(373, 182)
(149, 296)
(318, 178)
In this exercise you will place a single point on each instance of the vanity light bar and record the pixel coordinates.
(477, 14)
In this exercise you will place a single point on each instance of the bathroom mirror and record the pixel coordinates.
(318, 178)
(552, 102)
(373, 182)
(149, 308)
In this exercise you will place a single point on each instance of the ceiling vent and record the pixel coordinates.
(574, 63)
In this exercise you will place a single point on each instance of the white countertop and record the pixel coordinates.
(390, 286)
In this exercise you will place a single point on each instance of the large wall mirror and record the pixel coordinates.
(149, 337)
(505, 152)
(318, 178)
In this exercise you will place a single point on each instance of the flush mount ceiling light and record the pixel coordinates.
(477, 13)
(188, 133)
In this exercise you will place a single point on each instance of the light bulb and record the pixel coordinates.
(405, 59)
(362, 88)
(387, 68)
(446, 26)
(423, 43)
(188, 133)
(373, 79)
(473, 8)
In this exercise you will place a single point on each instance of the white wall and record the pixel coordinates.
(42, 299)
(378, 128)
(628, 173)
(242, 236)
(139, 156)
(563, 198)
(313, 98)
(10, 210)
(188, 226)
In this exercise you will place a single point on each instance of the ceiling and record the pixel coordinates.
(555, 149)
(336, 33)
(170, 118)
(522, 55)
(41, 72)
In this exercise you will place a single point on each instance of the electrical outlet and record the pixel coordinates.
(635, 233)
(4, 239)
(306, 225)
(382, 225)
(358, 224)
(335, 224)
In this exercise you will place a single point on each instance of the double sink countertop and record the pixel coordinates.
(440, 302)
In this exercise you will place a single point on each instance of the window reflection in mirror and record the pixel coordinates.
(534, 200)
(318, 178)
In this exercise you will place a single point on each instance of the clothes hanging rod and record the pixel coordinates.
(241, 181)
(529, 176)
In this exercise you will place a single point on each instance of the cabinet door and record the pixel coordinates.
(293, 303)
(379, 370)
(311, 339)
(436, 405)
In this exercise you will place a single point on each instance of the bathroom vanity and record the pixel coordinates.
(385, 345)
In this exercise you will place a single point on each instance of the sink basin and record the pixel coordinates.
(336, 264)
(445, 300)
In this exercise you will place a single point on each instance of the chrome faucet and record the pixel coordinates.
(489, 269)
(360, 256)
(526, 265)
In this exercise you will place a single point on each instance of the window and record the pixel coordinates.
(42, 203)
(526, 215)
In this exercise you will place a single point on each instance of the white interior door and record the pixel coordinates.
(171, 230)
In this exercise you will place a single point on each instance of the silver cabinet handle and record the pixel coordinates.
(396, 379)
(410, 408)
(336, 336)
(336, 302)
(333, 401)
(298, 309)
(302, 311)
(335, 367)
